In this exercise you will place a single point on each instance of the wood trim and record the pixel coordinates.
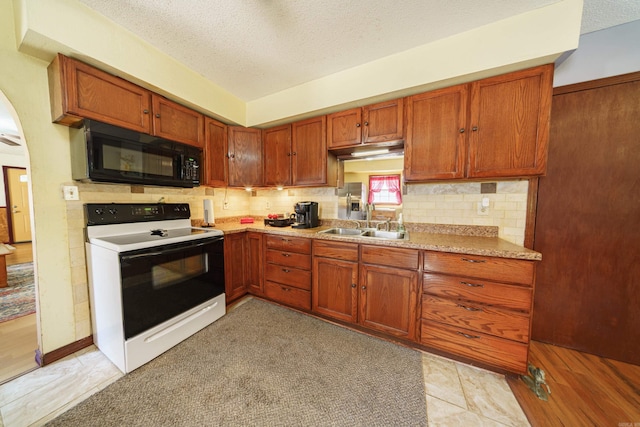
(532, 203)
(65, 351)
(592, 84)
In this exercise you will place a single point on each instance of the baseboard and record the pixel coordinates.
(65, 351)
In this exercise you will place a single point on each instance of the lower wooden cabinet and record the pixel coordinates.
(287, 271)
(254, 262)
(345, 287)
(235, 266)
(478, 308)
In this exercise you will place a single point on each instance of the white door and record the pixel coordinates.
(19, 209)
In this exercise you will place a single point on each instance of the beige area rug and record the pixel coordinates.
(264, 365)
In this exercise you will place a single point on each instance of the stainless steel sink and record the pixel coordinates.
(393, 235)
(369, 232)
(343, 231)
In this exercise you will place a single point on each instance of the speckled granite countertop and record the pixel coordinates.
(436, 238)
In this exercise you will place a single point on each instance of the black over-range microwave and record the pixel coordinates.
(106, 153)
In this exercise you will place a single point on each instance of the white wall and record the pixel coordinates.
(601, 54)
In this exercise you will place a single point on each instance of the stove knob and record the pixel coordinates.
(184, 209)
(176, 209)
(113, 211)
(100, 211)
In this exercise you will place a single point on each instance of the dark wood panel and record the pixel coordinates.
(334, 291)
(290, 259)
(277, 155)
(337, 250)
(587, 226)
(288, 295)
(383, 121)
(392, 257)
(215, 153)
(290, 244)
(288, 276)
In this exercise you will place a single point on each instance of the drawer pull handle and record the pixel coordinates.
(285, 289)
(475, 261)
(286, 271)
(472, 285)
(284, 254)
(469, 308)
(471, 337)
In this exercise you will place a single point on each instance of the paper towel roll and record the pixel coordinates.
(208, 211)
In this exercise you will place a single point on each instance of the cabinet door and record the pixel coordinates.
(234, 265)
(215, 153)
(245, 157)
(334, 288)
(383, 121)
(510, 117)
(277, 155)
(389, 300)
(309, 151)
(435, 142)
(177, 122)
(254, 262)
(344, 128)
(80, 91)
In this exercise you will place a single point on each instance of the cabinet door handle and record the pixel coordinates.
(471, 337)
(364, 288)
(285, 289)
(469, 308)
(158, 115)
(289, 154)
(145, 111)
(472, 285)
(461, 130)
(475, 128)
(474, 261)
(366, 123)
(353, 285)
(286, 271)
(357, 125)
(285, 240)
(294, 153)
(286, 254)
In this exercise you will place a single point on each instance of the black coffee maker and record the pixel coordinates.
(306, 215)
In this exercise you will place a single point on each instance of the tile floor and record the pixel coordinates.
(457, 394)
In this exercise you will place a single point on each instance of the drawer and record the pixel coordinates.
(344, 251)
(392, 257)
(288, 276)
(492, 321)
(497, 269)
(290, 259)
(289, 244)
(501, 353)
(512, 297)
(287, 295)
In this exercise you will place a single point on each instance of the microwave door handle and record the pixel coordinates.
(168, 251)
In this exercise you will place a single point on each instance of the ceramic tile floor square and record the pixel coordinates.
(457, 394)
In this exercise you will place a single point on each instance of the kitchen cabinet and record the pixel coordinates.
(244, 157)
(176, 122)
(376, 123)
(496, 127)
(380, 292)
(335, 280)
(216, 167)
(287, 270)
(478, 308)
(254, 263)
(235, 265)
(277, 156)
(80, 91)
(310, 162)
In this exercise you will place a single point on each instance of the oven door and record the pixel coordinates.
(162, 282)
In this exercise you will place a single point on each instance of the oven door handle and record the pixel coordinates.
(169, 251)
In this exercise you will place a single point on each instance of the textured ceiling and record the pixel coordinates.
(253, 48)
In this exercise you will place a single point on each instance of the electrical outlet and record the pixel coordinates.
(268, 205)
(70, 192)
(225, 205)
(483, 206)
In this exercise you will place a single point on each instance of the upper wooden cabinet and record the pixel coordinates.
(245, 157)
(375, 123)
(216, 167)
(176, 122)
(310, 162)
(276, 143)
(80, 91)
(496, 127)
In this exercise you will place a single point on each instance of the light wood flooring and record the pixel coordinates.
(586, 390)
(18, 337)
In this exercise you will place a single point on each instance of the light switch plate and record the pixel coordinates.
(70, 192)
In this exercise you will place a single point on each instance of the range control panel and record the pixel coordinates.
(121, 213)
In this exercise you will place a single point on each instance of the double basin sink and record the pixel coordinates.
(367, 232)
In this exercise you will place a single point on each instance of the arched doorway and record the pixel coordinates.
(19, 337)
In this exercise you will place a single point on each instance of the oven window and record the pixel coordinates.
(162, 282)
